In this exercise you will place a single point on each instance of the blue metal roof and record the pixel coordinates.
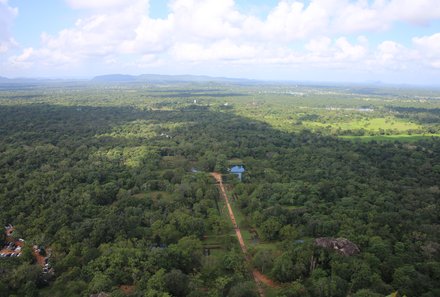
(237, 169)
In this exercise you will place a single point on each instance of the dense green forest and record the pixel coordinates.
(114, 181)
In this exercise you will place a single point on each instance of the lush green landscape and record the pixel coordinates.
(113, 180)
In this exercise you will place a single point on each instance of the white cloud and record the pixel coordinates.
(98, 36)
(27, 53)
(151, 36)
(293, 20)
(429, 49)
(207, 20)
(359, 17)
(319, 45)
(348, 51)
(295, 33)
(337, 53)
(389, 51)
(393, 56)
(7, 16)
(223, 50)
(418, 12)
(99, 4)
(429, 44)
(31, 57)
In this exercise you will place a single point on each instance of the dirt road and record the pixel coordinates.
(258, 276)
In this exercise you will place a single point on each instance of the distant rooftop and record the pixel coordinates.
(237, 169)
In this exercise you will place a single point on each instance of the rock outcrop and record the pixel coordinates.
(341, 245)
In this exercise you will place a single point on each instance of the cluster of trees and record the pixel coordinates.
(120, 193)
(116, 206)
(384, 197)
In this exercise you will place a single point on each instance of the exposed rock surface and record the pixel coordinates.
(341, 245)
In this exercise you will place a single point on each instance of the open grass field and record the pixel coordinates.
(398, 137)
(369, 125)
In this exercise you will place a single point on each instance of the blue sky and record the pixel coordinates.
(394, 41)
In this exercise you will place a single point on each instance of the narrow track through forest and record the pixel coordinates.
(258, 276)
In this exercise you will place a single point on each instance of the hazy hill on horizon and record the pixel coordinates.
(161, 78)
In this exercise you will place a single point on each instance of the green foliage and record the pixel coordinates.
(103, 176)
(366, 293)
(284, 268)
(187, 254)
(157, 282)
(100, 283)
(263, 260)
(233, 262)
(246, 289)
(407, 280)
(176, 283)
(296, 289)
(270, 229)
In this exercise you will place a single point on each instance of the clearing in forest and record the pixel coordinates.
(369, 124)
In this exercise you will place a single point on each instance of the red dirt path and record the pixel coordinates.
(258, 276)
(127, 289)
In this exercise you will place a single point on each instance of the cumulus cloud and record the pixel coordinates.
(394, 56)
(293, 20)
(98, 4)
(223, 50)
(95, 37)
(418, 12)
(7, 16)
(429, 48)
(429, 44)
(150, 36)
(348, 51)
(208, 19)
(323, 33)
(337, 52)
(389, 51)
(319, 44)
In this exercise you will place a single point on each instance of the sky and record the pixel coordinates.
(391, 41)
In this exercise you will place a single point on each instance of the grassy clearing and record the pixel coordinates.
(214, 239)
(271, 292)
(239, 217)
(373, 125)
(267, 246)
(398, 137)
(171, 162)
(241, 222)
(216, 245)
(217, 253)
(224, 213)
(141, 195)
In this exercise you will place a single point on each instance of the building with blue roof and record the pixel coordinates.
(237, 170)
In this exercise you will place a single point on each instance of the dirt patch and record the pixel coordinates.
(41, 260)
(127, 289)
(264, 279)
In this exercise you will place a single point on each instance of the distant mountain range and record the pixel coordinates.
(158, 78)
(163, 79)
(29, 80)
(125, 78)
(4, 79)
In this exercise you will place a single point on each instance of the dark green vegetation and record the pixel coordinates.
(102, 175)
